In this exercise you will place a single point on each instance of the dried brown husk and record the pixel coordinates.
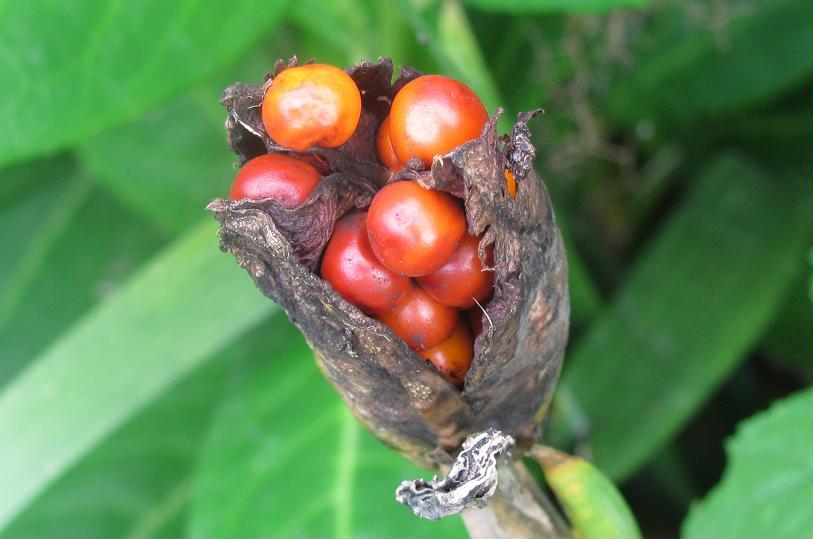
(401, 398)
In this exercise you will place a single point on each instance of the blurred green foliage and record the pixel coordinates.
(767, 488)
(146, 388)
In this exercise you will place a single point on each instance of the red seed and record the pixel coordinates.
(311, 105)
(420, 320)
(384, 149)
(279, 176)
(432, 115)
(350, 266)
(462, 280)
(413, 231)
(453, 356)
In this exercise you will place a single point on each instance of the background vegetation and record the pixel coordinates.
(146, 389)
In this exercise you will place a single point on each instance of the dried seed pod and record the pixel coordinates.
(403, 399)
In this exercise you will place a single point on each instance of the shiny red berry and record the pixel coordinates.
(432, 115)
(419, 320)
(413, 231)
(350, 266)
(285, 178)
(311, 105)
(453, 356)
(462, 280)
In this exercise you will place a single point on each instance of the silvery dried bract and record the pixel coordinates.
(470, 482)
(400, 397)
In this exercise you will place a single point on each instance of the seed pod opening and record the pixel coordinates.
(402, 398)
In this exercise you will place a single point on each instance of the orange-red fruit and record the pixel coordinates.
(453, 356)
(412, 230)
(432, 115)
(420, 320)
(510, 183)
(461, 280)
(311, 105)
(285, 178)
(383, 147)
(350, 266)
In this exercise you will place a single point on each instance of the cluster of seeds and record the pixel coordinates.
(407, 260)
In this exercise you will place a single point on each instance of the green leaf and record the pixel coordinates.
(372, 28)
(810, 289)
(55, 248)
(40, 198)
(138, 482)
(286, 459)
(344, 47)
(184, 306)
(767, 487)
(585, 300)
(553, 6)
(168, 164)
(739, 53)
(188, 164)
(73, 69)
(695, 303)
(443, 26)
(789, 342)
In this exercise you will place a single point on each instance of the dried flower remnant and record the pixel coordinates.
(470, 482)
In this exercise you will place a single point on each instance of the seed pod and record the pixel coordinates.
(401, 398)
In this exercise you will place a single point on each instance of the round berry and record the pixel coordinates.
(311, 105)
(432, 115)
(420, 320)
(453, 356)
(350, 266)
(383, 147)
(278, 176)
(461, 280)
(413, 231)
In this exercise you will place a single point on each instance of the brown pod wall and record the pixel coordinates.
(402, 398)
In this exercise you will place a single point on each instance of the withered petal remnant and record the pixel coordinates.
(470, 482)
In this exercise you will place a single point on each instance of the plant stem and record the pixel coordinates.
(518, 510)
